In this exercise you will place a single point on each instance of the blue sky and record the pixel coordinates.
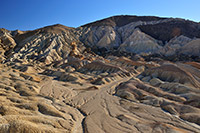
(32, 14)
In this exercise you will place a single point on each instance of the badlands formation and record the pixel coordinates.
(120, 74)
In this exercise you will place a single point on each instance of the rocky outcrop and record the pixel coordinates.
(7, 43)
(102, 36)
(179, 40)
(46, 44)
(118, 31)
(174, 45)
(172, 73)
(168, 30)
(192, 48)
(139, 42)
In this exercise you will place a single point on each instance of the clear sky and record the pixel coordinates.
(32, 14)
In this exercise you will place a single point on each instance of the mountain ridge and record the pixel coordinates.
(115, 16)
(110, 33)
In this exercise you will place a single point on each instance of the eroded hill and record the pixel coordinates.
(120, 74)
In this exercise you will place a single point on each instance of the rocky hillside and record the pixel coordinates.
(118, 32)
(120, 74)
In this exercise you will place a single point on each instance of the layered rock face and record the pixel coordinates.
(172, 87)
(139, 42)
(107, 76)
(174, 46)
(129, 34)
(7, 43)
(165, 36)
(191, 48)
(47, 44)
